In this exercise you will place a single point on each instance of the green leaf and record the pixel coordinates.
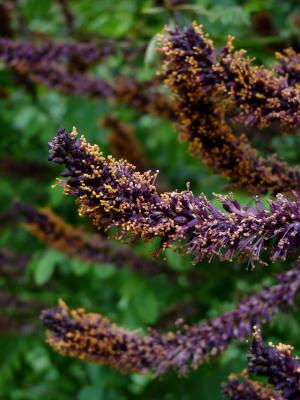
(146, 305)
(104, 271)
(90, 392)
(79, 267)
(176, 260)
(150, 53)
(44, 266)
(38, 359)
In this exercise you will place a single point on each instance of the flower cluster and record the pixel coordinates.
(262, 97)
(113, 194)
(190, 71)
(200, 104)
(56, 233)
(289, 66)
(124, 144)
(16, 52)
(212, 94)
(40, 64)
(142, 96)
(57, 77)
(276, 363)
(94, 338)
(241, 387)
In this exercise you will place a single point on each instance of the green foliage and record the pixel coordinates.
(29, 369)
(43, 265)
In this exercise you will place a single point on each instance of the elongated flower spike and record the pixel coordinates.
(142, 96)
(113, 194)
(261, 96)
(41, 64)
(211, 137)
(277, 364)
(59, 235)
(191, 73)
(18, 52)
(76, 55)
(92, 337)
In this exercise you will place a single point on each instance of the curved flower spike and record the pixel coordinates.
(197, 83)
(16, 52)
(94, 338)
(113, 194)
(41, 64)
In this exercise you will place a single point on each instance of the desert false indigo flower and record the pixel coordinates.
(277, 364)
(56, 233)
(241, 387)
(113, 194)
(17, 52)
(261, 96)
(289, 66)
(94, 338)
(57, 77)
(76, 54)
(140, 95)
(41, 65)
(190, 73)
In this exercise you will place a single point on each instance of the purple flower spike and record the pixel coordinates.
(94, 338)
(277, 364)
(113, 194)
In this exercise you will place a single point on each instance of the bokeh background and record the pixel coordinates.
(34, 276)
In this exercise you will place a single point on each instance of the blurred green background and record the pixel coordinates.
(29, 369)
